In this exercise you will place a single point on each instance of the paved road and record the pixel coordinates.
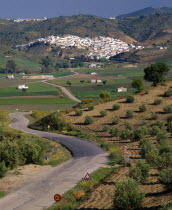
(38, 191)
(65, 91)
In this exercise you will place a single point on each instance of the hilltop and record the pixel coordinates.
(147, 11)
(157, 28)
(12, 33)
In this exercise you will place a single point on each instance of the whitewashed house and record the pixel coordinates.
(92, 65)
(93, 73)
(122, 89)
(20, 87)
(10, 76)
(93, 81)
(99, 81)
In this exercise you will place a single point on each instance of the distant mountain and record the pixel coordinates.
(147, 11)
(151, 28)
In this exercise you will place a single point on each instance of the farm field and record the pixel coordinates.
(14, 82)
(22, 62)
(103, 196)
(35, 89)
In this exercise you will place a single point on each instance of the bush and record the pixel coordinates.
(168, 109)
(128, 125)
(165, 176)
(168, 93)
(106, 128)
(126, 134)
(138, 84)
(114, 131)
(115, 120)
(162, 138)
(159, 123)
(90, 107)
(139, 172)
(79, 112)
(130, 99)
(88, 120)
(169, 118)
(128, 195)
(103, 113)
(157, 101)
(154, 130)
(116, 107)
(142, 108)
(154, 116)
(129, 114)
(139, 133)
(169, 127)
(105, 95)
(3, 169)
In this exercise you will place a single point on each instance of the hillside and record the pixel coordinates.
(81, 25)
(147, 11)
(144, 28)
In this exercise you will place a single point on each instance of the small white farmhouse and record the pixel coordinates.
(122, 89)
(93, 81)
(92, 65)
(22, 87)
(99, 81)
(93, 73)
(10, 76)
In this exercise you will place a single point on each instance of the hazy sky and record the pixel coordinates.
(55, 8)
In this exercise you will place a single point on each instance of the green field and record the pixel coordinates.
(20, 101)
(35, 89)
(22, 62)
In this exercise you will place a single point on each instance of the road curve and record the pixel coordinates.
(38, 192)
(65, 91)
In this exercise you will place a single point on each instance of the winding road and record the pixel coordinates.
(38, 192)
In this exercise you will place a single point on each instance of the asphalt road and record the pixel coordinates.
(38, 192)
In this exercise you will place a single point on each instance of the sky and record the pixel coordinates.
(54, 8)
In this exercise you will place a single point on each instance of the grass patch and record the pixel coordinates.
(2, 194)
(73, 197)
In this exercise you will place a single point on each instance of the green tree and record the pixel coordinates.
(138, 84)
(11, 65)
(104, 82)
(128, 195)
(69, 83)
(105, 95)
(46, 61)
(156, 72)
(3, 169)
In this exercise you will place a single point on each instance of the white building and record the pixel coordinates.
(20, 87)
(122, 89)
(93, 73)
(10, 76)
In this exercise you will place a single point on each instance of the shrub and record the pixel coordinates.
(129, 114)
(165, 176)
(154, 130)
(168, 93)
(3, 169)
(159, 123)
(139, 133)
(79, 112)
(128, 195)
(90, 107)
(78, 194)
(115, 120)
(139, 172)
(169, 118)
(103, 113)
(169, 127)
(154, 116)
(105, 95)
(142, 108)
(126, 134)
(162, 138)
(138, 84)
(106, 128)
(130, 99)
(168, 109)
(116, 107)
(157, 101)
(114, 131)
(128, 125)
(88, 120)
